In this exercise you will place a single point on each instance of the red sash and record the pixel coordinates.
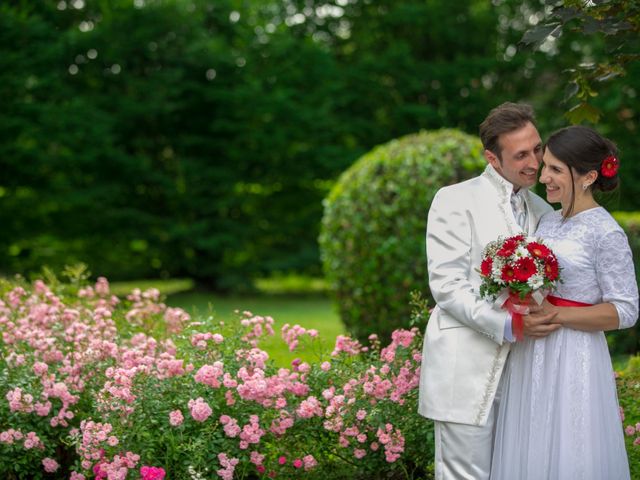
(564, 302)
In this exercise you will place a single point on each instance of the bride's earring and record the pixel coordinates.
(585, 186)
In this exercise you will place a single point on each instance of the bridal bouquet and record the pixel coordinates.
(516, 270)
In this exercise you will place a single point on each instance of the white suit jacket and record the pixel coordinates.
(464, 350)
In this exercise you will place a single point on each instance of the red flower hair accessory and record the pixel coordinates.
(610, 166)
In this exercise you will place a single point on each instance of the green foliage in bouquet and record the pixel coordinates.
(372, 236)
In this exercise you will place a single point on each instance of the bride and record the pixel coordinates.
(559, 417)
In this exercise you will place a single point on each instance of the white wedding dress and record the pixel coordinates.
(559, 417)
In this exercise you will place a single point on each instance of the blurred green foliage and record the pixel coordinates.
(373, 228)
(157, 138)
(627, 341)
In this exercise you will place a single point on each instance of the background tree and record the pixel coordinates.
(171, 138)
(613, 29)
(593, 46)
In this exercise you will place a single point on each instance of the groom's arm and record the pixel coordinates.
(449, 237)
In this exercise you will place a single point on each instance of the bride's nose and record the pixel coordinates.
(544, 178)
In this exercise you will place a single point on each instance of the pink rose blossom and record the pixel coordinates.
(257, 458)
(152, 473)
(309, 462)
(49, 464)
(231, 427)
(359, 453)
(217, 338)
(40, 368)
(228, 466)
(176, 418)
(200, 410)
(346, 345)
(210, 374)
(309, 408)
(42, 409)
(304, 368)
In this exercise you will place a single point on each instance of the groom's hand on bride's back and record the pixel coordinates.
(540, 321)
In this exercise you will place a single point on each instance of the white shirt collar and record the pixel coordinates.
(503, 185)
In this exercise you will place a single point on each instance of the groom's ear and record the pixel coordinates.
(492, 159)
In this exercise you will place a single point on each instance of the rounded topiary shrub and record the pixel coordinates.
(372, 238)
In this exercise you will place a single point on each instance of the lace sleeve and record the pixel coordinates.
(616, 276)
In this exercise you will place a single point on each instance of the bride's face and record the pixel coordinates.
(556, 176)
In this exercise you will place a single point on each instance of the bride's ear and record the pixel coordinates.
(589, 179)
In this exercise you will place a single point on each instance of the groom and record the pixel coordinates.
(467, 339)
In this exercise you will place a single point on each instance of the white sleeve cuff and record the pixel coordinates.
(508, 332)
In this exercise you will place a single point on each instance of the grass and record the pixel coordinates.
(166, 287)
(315, 311)
(292, 285)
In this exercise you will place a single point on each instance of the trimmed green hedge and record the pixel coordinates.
(372, 238)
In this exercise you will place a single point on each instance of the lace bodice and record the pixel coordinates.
(596, 260)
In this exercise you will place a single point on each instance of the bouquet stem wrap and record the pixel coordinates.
(517, 307)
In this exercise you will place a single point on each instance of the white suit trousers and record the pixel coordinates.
(463, 452)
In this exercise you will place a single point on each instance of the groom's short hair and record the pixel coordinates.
(503, 119)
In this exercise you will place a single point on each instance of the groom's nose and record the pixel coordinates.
(537, 156)
(533, 161)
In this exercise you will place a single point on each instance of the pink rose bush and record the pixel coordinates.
(98, 387)
(628, 383)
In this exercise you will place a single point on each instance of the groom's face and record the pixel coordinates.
(520, 156)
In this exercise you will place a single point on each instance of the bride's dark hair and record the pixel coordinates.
(583, 149)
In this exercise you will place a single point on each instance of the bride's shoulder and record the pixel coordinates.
(600, 218)
(601, 214)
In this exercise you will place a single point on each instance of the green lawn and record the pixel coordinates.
(309, 311)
